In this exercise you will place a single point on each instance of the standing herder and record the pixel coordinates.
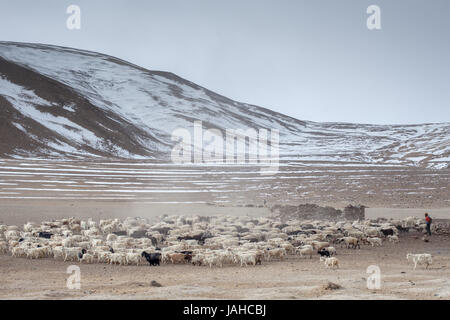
(428, 221)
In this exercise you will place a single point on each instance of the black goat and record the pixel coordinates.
(387, 232)
(188, 257)
(403, 229)
(152, 258)
(324, 253)
(46, 235)
(81, 254)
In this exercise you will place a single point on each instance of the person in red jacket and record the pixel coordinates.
(428, 221)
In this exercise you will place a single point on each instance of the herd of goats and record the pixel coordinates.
(199, 240)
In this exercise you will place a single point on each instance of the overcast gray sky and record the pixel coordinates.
(313, 60)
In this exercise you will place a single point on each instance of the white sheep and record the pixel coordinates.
(423, 259)
(198, 259)
(12, 235)
(331, 250)
(372, 232)
(3, 247)
(246, 258)
(29, 226)
(305, 251)
(3, 228)
(351, 241)
(319, 245)
(393, 238)
(111, 237)
(213, 260)
(13, 243)
(103, 256)
(330, 262)
(409, 222)
(118, 258)
(133, 258)
(18, 252)
(66, 233)
(68, 243)
(375, 241)
(58, 252)
(90, 232)
(37, 253)
(275, 253)
(71, 254)
(87, 258)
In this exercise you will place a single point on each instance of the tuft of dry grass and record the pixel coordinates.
(331, 286)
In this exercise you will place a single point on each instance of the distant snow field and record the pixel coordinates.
(297, 182)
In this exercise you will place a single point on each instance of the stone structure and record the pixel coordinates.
(313, 211)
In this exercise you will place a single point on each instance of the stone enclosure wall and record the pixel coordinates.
(313, 211)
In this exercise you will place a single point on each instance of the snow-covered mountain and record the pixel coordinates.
(62, 102)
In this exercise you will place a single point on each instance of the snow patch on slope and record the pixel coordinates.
(159, 103)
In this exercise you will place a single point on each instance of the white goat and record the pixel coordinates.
(330, 262)
(375, 241)
(423, 259)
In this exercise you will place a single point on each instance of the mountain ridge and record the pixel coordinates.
(62, 102)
